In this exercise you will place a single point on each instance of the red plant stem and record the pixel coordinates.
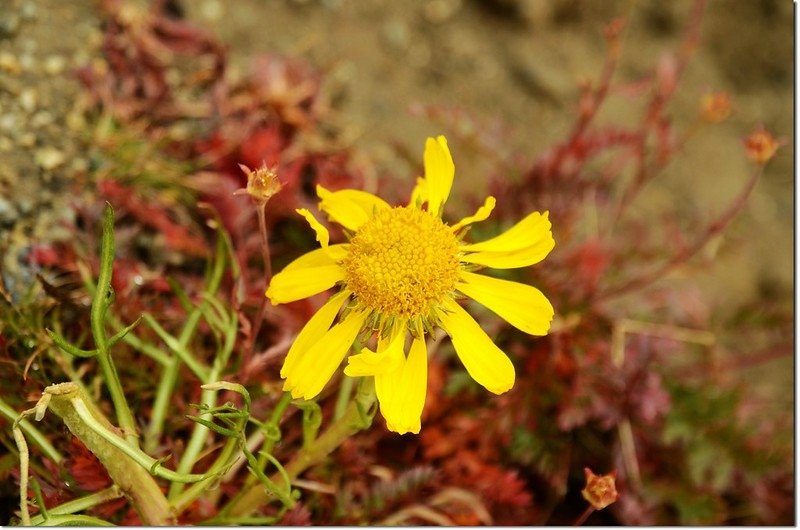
(713, 229)
(265, 256)
(656, 106)
(585, 515)
(741, 362)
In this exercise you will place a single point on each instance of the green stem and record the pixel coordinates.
(343, 398)
(272, 432)
(208, 398)
(80, 504)
(76, 520)
(197, 440)
(116, 455)
(38, 439)
(100, 303)
(350, 423)
(169, 378)
(172, 370)
(24, 460)
(187, 497)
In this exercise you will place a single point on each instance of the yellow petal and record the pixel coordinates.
(319, 257)
(402, 405)
(314, 368)
(296, 283)
(439, 172)
(481, 215)
(525, 243)
(386, 359)
(484, 361)
(419, 195)
(523, 306)
(322, 233)
(349, 208)
(315, 328)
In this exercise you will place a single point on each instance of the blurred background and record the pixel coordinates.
(392, 73)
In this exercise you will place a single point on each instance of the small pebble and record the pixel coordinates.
(28, 99)
(54, 65)
(48, 158)
(439, 11)
(28, 11)
(8, 122)
(41, 118)
(8, 212)
(75, 121)
(9, 63)
(27, 61)
(27, 139)
(396, 34)
(9, 24)
(211, 10)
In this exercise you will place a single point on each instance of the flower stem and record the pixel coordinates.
(261, 208)
(39, 439)
(351, 422)
(100, 303)
(79, 504)
(585, 515)
(95, 431)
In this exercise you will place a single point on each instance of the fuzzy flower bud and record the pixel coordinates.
(761, 146)
(600, 490)
(262, 183)
(715, 107)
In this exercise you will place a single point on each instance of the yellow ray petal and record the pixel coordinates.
(521, 305)
(319, 257)
(313, 331)
(419, 195)
(349, 208)
(301, 282)
(409, 384)
(322, 233)
(312, 371)
(481, 215)
(524, 244)
(484, 361)
(387, 359)
(439, 172)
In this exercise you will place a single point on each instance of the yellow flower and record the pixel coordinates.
(400, 275)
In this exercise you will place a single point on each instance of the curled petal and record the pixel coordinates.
(387, 359)
(526, 243)
(439, 173)
(484, 361)
(349, 208)
(521, 305)
(306, 377)
(481, 215)
(322, 233)
(419, 195)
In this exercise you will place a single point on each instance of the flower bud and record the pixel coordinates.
(262, 183)
(761, 146)
(715, 107)
(600, 490)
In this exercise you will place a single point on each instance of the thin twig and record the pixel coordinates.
(713, 229)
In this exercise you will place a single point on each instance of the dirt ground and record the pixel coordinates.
(510, 60)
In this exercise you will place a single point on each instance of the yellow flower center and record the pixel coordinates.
(402, 263)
